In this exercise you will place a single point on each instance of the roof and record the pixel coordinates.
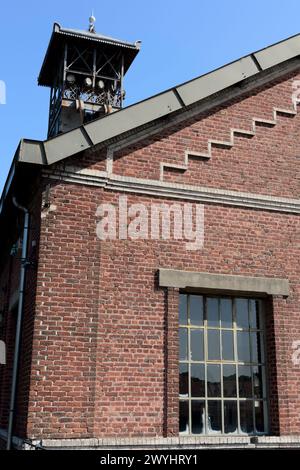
(155, 107)
(127, 120)
(57, 41)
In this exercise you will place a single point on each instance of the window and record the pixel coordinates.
(221, 366)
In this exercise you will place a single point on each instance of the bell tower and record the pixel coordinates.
(85, 72)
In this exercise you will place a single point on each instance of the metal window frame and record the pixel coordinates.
(235, 362)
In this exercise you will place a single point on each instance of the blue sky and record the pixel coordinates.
(180, 40)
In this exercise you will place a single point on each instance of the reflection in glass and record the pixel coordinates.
(255, 347)
(182, 309)
(243, 346)
(226, 313)
(213, 339)
(213, 380)
(259, 416)
(184, 416)
(246, 416)
(214, 421)
(242, 320)
(229, 380)
(183, 344)
(227, 346)
(198, 380)
(196, 310)
(230, 417)
(183, 380)
(197, 345)
(221, 368)
(257, 381)
(198, 417)
(245, 381)
(212, 312)
(254, 314)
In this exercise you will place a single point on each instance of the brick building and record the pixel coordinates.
(131, 338)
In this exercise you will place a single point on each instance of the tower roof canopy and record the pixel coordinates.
(79, 37)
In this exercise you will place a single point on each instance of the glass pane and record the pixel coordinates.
(226, 313)
(213, 380)
(182, 309)
(246, 416)
(255, 347)
(227, 346)
(183, 344)
(183, 380)
(229, 380)
(245, 382)
(212, 312)
(259, 416)
(197, 345)
(257, 382)
(230, 417)
(208, 388)
(196, 310)
(242, 320)
(184, 416)
(243, 345)
(214, 420)
(198, 417)
(254, 314)
(213, 339)
(198, 380)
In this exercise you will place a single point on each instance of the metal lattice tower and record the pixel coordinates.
(85, 72)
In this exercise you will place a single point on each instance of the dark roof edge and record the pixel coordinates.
(95, 37)
(9, 179)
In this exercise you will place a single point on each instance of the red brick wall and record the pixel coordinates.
(62, 391)
(103, 325)
(104, 352)
(9, 284)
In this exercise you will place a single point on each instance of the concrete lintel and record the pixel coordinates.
(223, 282)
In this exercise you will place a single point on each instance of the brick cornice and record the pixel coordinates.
(157, 188)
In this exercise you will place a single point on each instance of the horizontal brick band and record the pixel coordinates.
(174, 191)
